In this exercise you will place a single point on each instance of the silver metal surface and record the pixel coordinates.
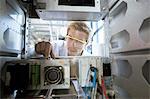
(53, 11)
(129, 76)
(11, 21)
(130, 45)
(125, 17)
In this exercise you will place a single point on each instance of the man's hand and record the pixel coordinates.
(44, 48)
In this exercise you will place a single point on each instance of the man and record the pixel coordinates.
(74, 44)
(76, 40)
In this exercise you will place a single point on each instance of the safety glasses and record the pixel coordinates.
(76, 39)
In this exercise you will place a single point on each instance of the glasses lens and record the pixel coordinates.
(76, 39)
(77, 43)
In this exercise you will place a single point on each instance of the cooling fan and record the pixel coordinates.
(53, 75)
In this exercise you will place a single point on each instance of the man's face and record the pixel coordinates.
(76, 40)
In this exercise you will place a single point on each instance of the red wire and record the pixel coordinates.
(104, 88)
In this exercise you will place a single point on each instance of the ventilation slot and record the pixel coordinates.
(144, 31)
(120, 39)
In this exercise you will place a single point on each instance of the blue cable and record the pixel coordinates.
(94, 82)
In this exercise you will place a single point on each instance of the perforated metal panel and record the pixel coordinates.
(130, 45)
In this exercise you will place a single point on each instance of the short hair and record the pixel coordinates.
(80, 26)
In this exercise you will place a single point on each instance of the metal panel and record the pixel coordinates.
(129, 27)
(11, 22)
(54, 11)
(131, 76)
(124, 16)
